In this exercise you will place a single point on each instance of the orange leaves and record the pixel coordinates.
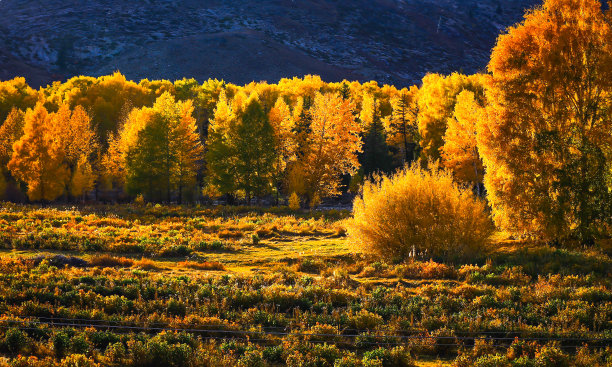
(38, 158)
(436, 103)
(460, 151)
(10, 132)
(333, 144)
(547, 144)
(421, 211)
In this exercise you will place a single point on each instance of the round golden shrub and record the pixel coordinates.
(419, 212)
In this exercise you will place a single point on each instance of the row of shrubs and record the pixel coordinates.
(68, 347)
(115, 229)
(470, 301)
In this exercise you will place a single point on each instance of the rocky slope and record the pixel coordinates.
(392, 41)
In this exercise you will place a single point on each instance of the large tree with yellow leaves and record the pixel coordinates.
(38, 158)
(333, 143)
(546, 146)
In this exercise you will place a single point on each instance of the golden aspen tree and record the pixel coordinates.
(83, 178)
(37, 158)
(241, 154)
(105, 98)
(16, 94)
(114, 161)
(460, 150)
(187, 148)
(369, 110)
(167, 151)
(282, 123)
(402, 123)
(546, 145)
(333, 144)
(218, 153)
(436, 103)
(10, 132)
(76, 137)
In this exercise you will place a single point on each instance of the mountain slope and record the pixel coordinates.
(392, 41)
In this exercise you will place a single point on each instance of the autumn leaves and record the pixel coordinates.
(157, 152)
(533, 135)
(53, 154)
(307, 147)
(547, 142)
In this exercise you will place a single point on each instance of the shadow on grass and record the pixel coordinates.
(551, 260)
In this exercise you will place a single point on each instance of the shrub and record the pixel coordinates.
(61, 342)
(146, 264)
(206, 265)
(421, 210)
(78, 360)
(294, 202)
(15, 340)
(111, 261)
(115, 352)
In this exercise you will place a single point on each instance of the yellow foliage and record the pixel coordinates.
(421, 210)
(115, 160)
(315, 201)
(38, 159)
(332, 146)
(10, 132)
(294, 201)
(546, 144)
(436, 103)
(83, 179)
(460, 151)
(211, 191)
(282, 122)
(16, 94)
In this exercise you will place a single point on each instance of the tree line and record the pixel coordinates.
(532, 134)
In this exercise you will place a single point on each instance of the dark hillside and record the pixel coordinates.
(392, 41)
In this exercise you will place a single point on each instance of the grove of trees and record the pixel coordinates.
(531, 135)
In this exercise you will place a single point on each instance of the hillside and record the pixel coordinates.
(392, 41)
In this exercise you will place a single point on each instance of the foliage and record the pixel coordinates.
(38, 158)
(460, 150)
(376, 157)
(16, 94)
(419, 211)
(331, 147)
(294, 201)
(167, 153)
(402, 123)
(436, 103)
(241, 147)
(546, 145)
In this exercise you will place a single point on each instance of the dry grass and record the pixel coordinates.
(206, 265)
(146, 264)
(108, 261)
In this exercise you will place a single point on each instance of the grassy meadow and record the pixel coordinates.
(190, 286)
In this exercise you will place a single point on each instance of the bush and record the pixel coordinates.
(111, 261)
(146, 264)
(205, 265)
(15, 340)
(294, 202)
(419, 210)
(78, 360)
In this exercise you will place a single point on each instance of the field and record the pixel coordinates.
(191, 286)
